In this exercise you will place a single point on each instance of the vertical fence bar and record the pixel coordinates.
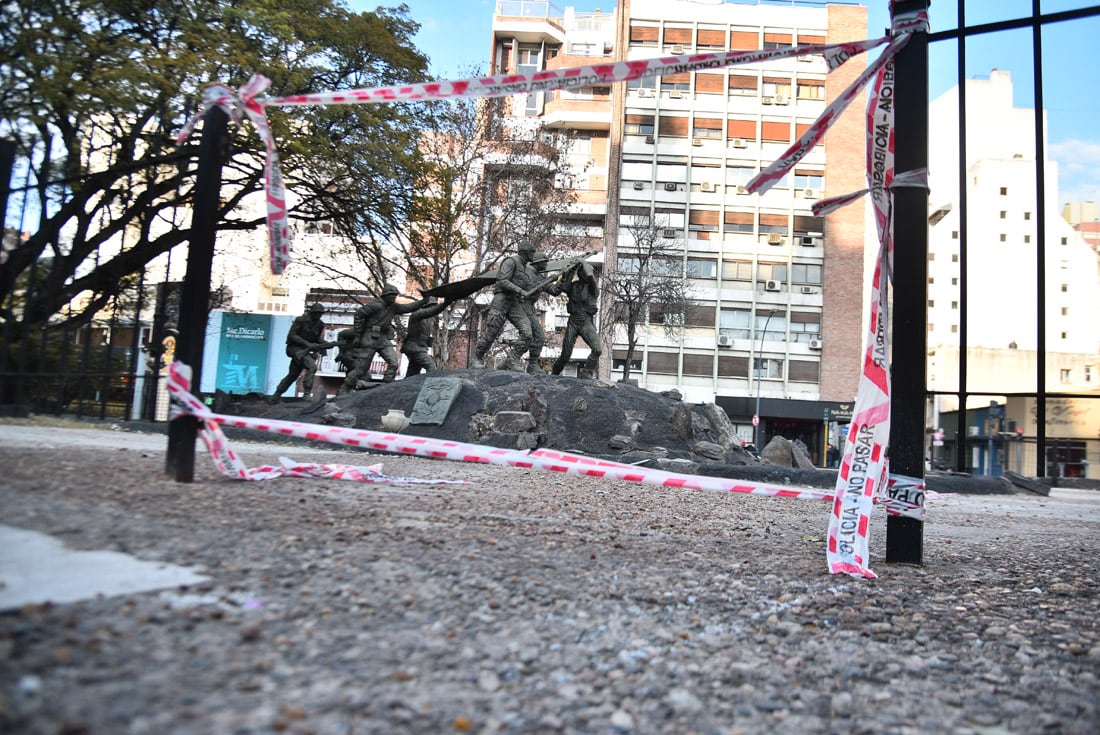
(1040, 243)
(905, 536)
(195, 299)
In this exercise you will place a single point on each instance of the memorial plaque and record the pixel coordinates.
(434, 401)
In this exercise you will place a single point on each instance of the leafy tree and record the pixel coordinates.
(94, 92)
(484, 183)
(647, 283)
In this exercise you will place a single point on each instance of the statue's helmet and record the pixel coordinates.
(390, 289)
(526, 246)
(540, 258)
(316, 308)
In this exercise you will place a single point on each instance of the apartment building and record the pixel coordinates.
(1000, 267)
(778, 294)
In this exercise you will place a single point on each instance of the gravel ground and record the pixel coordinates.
(530, 602)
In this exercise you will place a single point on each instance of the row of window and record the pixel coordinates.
(808, 229)
(738, 132)
(732, 366)
(673, 169)
(766, 274)
(771, 90)
(705, 37)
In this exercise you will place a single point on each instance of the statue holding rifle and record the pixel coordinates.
(508, 305)
(304, 347)
(373, 334)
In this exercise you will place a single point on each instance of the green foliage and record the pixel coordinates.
(95, 91)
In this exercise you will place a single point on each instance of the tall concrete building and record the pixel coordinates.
(777, 321)
(1002, 288)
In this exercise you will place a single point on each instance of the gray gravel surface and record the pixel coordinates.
(530, 602)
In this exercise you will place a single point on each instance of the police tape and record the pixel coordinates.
(225, 459)
(246, 101)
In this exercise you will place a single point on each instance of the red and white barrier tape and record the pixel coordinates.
(546, 459)
(246, 101)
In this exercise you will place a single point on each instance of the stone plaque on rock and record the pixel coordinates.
(434, 401)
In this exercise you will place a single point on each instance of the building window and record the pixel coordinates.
(638, 125)
(734, 323)
(954, 304)
(1088, 373)
(931, 257)
(766, 367)
(771, 272)
(1004, 214)
(1027, 215)
(954, 234)
(954, 281)
(736, 270)
(1004, 191)
(811, 89)
(1027, 239)
(931, 280)
(778, 40)
(806, 273)
(1004, 237)
(1065, 288)
(954, 257)
(803, 180)
(741, 85)
(1065, 375)
(954, 328)
(1065, 335)
(1065, 311)
(1065, 241)
(804, 326)
(702, 268)
(738, 223)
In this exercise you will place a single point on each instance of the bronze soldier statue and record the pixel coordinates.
(374, 335)
(304, 346)
(536, 270)
(582, 295)
(418, 338)
(512, 283)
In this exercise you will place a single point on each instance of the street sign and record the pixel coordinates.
(756, 419)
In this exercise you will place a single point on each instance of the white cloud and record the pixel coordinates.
(1078, 169)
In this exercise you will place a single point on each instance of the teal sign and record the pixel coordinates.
(242, 353)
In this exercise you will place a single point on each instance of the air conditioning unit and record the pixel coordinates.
(644, 92)
(677, 49)
(675, 94)
(649, 139)
(706, 186)
(772, 285)
(767, 100)
(809, 193)
(809, 289)
(805, 57)
(669, 186)
(741, 189)
(697, 141)
(815, 344)
(725, 340)
(781, 99)
(973, 431)
(774, 238)
(638, 186)
(739, 143)
(668, 233)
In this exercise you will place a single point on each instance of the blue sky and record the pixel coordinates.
(455, 34)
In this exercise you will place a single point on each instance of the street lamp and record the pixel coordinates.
(760, 342)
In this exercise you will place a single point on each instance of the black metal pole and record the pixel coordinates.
(195, 297)
(7, 163)
(904, 535)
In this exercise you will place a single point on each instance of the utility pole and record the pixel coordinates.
(195, 297)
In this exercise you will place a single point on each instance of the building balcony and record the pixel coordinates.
(528, 21)
(578, 114)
